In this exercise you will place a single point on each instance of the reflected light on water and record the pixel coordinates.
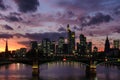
(58, 71)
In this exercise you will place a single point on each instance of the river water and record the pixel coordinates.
(58, 71)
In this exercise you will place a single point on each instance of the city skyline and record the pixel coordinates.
(21, 23)
(72, 45)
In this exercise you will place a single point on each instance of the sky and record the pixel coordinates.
(22, 21)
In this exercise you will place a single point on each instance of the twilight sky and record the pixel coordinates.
(22, 21)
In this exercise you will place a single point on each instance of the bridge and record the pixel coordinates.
(91, 64)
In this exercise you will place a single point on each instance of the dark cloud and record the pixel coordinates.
(88, 5)
(15, 14)
(96, 19)
(27, 5)
(40, 36)
(81, 4)
(7, 27)
(61, 29)
(69, 14)
(35, 36)
(117, 10)
(2, 6)
(76, 28)
(19, 35)
(6, 35)
(13, 18)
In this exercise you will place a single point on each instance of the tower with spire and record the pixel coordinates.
(6, 47)
(6, 50)
(107, 45)
(71, 39)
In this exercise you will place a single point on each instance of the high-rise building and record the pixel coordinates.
(53, 47)
(82, 40)
(46, 43)
(34, 45)
(83, 44)
(60, 44)
(89, 47)
(107, 45)
(71, 40)
(116, 44)
(65, 48)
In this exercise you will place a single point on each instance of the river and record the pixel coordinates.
(58, 71)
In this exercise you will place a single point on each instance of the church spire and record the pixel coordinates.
(6, 47)
(107, 45)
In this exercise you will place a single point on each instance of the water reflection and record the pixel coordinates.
(15, 72)
(58, 71)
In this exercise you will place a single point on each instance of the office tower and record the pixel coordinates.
(82, 40)
(34, 49)
(34, 45)
(65, 48)
(83, 44)
(116, 44)
(52, 47)
(46, 46)
(71, 40)
(60, 44)
(107, 45)
(89, 47)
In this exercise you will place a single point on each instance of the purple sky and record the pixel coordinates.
(24, 20)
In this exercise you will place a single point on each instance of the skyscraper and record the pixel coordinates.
(83, 44)
(53, 47)
(89, 47)
(116, 44)
(71, 40)
(46, 43)
(107, 45)
(60, 45)
(34, 45)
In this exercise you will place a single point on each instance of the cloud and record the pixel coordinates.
(117, 10)
(26, 43)
(12, 18)
(98, 18)
(15, 14)
(40, 36)
(69, 14)
(6, 35)
(76, 28)
(27, 5)
(61, 29)
(2, 6)
(7, 27)
(82, 5)
(115, 29)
